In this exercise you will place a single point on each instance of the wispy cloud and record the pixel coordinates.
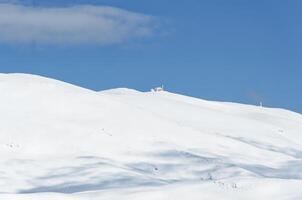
(72, 25)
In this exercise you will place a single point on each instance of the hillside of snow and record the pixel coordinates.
(60, 141)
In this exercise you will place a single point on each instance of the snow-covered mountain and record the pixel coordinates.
(60, 141)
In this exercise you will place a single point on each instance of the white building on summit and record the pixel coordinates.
(158, 89)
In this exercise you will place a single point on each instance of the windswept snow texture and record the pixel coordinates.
(62, 142)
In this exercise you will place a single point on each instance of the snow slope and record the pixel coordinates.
(60, 141)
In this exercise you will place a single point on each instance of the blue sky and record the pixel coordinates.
(238, 50)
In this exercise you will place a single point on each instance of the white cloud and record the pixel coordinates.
(72, 25)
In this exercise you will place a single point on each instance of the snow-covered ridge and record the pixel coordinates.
(120, 91)
(28, 81)
(61, 141)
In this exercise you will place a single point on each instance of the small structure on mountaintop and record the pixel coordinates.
(158, 89)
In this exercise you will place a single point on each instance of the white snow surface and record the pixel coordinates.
(62, 142)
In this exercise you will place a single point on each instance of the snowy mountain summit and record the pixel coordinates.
(62, 142)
